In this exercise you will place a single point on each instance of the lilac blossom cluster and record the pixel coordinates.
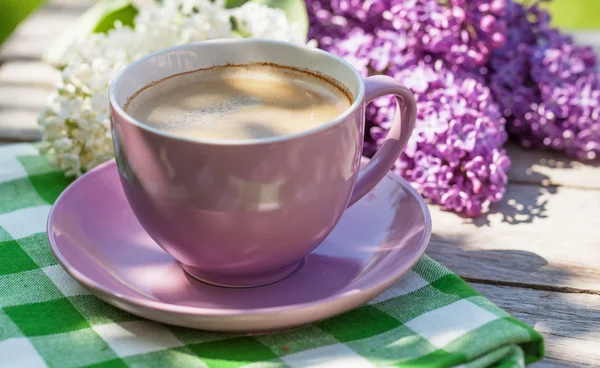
(454, 157)
(436, 48)
(547, 85)
(476, 67)
(461, 32)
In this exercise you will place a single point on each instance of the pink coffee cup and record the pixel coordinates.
(246, 213)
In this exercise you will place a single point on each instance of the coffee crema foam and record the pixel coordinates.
(242, 102)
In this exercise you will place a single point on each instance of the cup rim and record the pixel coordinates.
(118, 109)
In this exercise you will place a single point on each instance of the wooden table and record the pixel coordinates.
(537, 254)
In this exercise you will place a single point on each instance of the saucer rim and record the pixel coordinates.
(348, 297)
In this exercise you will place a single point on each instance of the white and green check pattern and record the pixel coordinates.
(429, 318)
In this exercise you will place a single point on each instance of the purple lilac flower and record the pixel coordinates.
(454, 157)
(548, 86)
(325, 27)
(509, 66)
(472, 64)
(462, 32)
(459, 31)
(377, 53)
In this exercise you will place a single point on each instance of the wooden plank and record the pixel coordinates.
(19, 125)
(570, 323)
(20, 106)
(542, 237)
(39, 30)
(23, 96)
(28, 73)
(551, 168)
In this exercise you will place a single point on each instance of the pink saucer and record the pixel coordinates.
(96, 238)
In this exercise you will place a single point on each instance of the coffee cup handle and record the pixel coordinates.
(396, 139)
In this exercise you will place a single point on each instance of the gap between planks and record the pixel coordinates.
(524, 285)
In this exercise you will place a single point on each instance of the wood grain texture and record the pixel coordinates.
(23, 97)
(28, 73)
(24, 89)
(570, 323)
(19, 125)
(20, 105)
(546, 237)
(25, 82)
(551, 168)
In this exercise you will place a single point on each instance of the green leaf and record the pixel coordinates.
(237, 29)
(126, 14)
(295, 10)
(100, 18)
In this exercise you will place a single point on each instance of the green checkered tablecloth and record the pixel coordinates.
(429, 318)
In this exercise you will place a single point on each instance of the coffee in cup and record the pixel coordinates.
(238, 102)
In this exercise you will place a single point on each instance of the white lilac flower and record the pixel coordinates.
(75, 123)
